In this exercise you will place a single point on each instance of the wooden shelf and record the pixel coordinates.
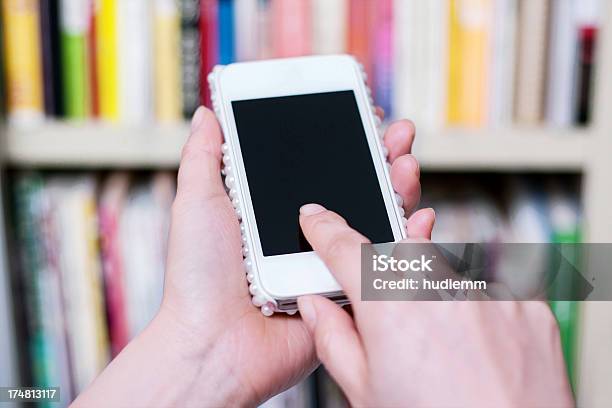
(95, 145)
(515, 149)
(91, 145)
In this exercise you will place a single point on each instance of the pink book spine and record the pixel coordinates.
(383, 61)
(291, 28)
(113, 280)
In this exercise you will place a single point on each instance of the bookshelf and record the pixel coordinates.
(89, 145)
(95, 145)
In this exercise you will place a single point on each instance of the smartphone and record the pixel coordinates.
(297, 131)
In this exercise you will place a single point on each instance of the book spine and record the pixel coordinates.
(329, 26)
(502, 61)
(471, 21)
(190, 55)
(226, 32)
(24, 86)
(264, 29)
(587, 22)
(561, 64)
(106, 48)
(246, 29)
(209, 46)
(291, 32)
(74, 26)
(92, 60)
(383, 69)
(50, 39)
(455, 73)
(168, 98)
(134, 63)
(359, 34)
(531, 63)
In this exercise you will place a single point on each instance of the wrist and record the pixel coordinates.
(201, 363)
(161, 367)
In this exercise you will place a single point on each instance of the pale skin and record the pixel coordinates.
(209, 346)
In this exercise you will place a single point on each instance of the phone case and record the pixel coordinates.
(260, 298)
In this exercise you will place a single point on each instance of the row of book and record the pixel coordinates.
(90, 264)
(439, 62)
(89, 254)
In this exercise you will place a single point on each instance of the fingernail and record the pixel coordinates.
(433, 212)
(198, 116)
(311, 209)
(308, 312)
(417, 167)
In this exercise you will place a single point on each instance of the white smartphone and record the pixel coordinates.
(297, 131)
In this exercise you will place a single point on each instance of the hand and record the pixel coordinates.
(208, 344)
(495, 353)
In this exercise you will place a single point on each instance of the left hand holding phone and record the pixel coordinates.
(208, 344)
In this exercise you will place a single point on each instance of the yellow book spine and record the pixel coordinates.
(24, 87)
(453, 107)
(106, 48)
(168, 97)
(474, 20)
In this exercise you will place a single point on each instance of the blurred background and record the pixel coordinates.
(511, 101)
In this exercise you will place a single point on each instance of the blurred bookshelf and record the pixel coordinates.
(96, 145)
(85, 145)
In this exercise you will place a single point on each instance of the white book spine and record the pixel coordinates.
(561, 64)
(503, 53)
(74, 17)
(436, 58)
(329, 25)
(404, 55)
(135, 60)
(246, 27)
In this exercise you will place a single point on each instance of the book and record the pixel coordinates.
(531, 61)
(135, 60)
(419, 62)
(359, 38)
(112, 201)
(52, 71)
(291, 28)
(75, 223)
(190, 56)
(74, 28)
(502, 63)
(587, 26)
(209, 45)
(561, 68)
(383, 55)
(470, 27)
(22, 48)
(246, 26)
(92, 45)
(107, 59)
(329, 26)
(264, 29)
(226, 31)
(167, 79)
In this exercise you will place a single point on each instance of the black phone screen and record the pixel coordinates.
(308, 149)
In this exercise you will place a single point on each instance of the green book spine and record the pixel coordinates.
(74, 75)
(567, 311)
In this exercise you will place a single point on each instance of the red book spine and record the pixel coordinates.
(209, 46)
(93, 64)
(361, 14)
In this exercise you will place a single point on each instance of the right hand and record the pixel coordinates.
(410, 353)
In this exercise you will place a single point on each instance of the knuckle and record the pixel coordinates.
(342, 243)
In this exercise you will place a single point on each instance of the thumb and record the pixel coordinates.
(199, 175)
(337, 342)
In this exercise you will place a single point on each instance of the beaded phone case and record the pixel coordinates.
(260, 298)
